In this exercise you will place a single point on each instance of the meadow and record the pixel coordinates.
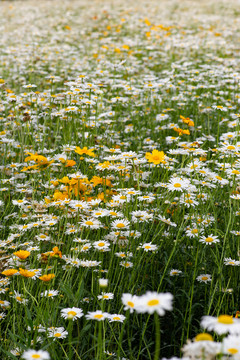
(120, 180)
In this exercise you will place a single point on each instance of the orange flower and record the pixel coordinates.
(47, 277)
(70, 163)
(155, 157)
(181, 131)
(27, 273)
(187, 121)
(9, 272)
(85, 151)
(56, 252)
(22, 254)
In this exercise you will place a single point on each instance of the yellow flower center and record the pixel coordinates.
(147, 247)
(233, 351)
(101, 244)
(73, 313)
(177, 185)
(120, 225)
(153, 302)
(194, 231)
(218, 177)
(225, 319)
(130, 303)
(116, 318)
(231, 147)
(98, 316)
(19, 298)
(113, 213)
(204, 278)
(35, 356)
(204, 337)
(105, 296)
(57, 334)
(89, 222)
(209, 239)
(235, 172)
(42, 236)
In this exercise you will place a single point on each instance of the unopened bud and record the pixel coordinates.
(103, 283)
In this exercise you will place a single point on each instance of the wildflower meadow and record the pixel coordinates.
(120, 179)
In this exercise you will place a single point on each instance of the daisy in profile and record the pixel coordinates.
(153, 301)
(208, 240)
(126, 264)
(36, 354)
(19, 298)
(204, 278)
(116, 317)
(231, 262)
(106, 296)
(222, 324)
(97, 315)
(91, 223)
(57, 333)
(175, 272)
(149, 247)
(129, 301)
(72, 313)
(49, 293)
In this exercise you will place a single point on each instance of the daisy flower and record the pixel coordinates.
(175, 272)
(232, 262)
(178, 184)
(49, 293)
(97, 315)
(153, 301)
(204, 278)
(202, 346)
(231, 346)
(4, 303)
(222, 324)
(126, 264)
(72, 313)
(120, 224)
(106, 296)
(58, 333)
(208, 240)
(91, 223)
(129, 301)
(149, 247)
(116, 317)
(36, 354)
(101, 245)
(19, 298)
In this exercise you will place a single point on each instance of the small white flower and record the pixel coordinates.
(36, 354)
(72, 313)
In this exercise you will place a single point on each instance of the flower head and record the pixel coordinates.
(156, 157)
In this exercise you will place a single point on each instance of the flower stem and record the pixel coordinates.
(157, 336)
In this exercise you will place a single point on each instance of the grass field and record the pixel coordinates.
(120, 179)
